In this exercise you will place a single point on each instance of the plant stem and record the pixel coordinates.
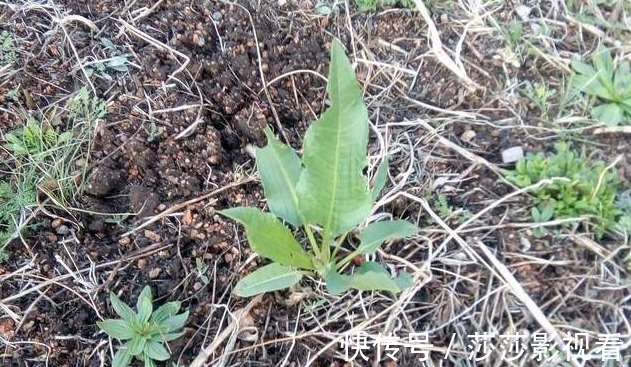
(338, 246)
(312, 240)
(347, 259)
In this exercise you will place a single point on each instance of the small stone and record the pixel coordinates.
(153, 236)
(198, 40)
(124, 241)
(62, 230)
(142, 263)
(512, 155)
(197, 286)
(7, 328)
(217, 16)
(523, 12)
(467, 136)
(187, 218)
(154, 273)
(55, 223)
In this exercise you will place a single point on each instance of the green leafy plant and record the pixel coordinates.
(541, 96)
(144, 331)
(115, 62)
(326, 195)
(581, 187)
(372, 5)
(34, 138)
(85, 107)
(610, 85)
(8, 48)
(201, 268)
(13, 202)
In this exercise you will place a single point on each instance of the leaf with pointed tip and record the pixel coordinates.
(156, 351)
(170, 336)
(269, 278)
(176, 322)
(144, 305)
(122, 358)
(136, 345)
(404, 281)
(372, 276)
(165, 311)
(280, 167)
(622, 79)
(332, 189)
(583, 68)
(603, 62)
(121, 308)
(269, 238)
(378, 232)
(336, 283)
(380, 179)
(610, 114)
(117, 329)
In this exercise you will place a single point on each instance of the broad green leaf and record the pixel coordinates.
(603, 62)
(404, 281)
(377, 233)
(171, 336)
(336, 283)
(583, 68)
(269, 238)
(622, 79)
(156, 351)
(136, 345)
(372, 276)
(156, 328)
(269, 278)
(332, 190)
(117, 329)
(176, 322)
(163, 312)
(144, 305)
(599, 90)
(380, 179)
(122, 358)
(610, 114)
(149, 362)
(121, 308)
(280, 168)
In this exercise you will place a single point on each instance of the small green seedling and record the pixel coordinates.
(581, 187)
(8, 48)
(372, 5)
(610, 85)
(115, 62)
(15, 198)
(35, 138)
(144, 331)
(326, 194)
(201, 268)
(85, 107)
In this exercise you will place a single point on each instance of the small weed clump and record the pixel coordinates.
(8, 48)
(372, 5)
(145, 330)
(43, 160)
(608, 84)
(580, 187)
